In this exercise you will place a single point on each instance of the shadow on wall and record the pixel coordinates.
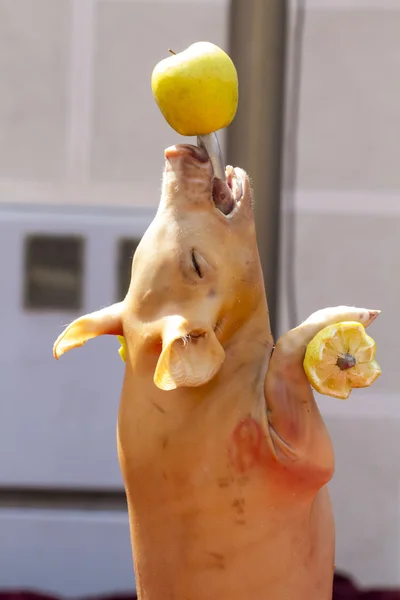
(344, 589)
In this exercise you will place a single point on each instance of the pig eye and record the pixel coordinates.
(196, 265)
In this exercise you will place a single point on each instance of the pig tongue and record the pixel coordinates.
(227, 194)
(222, 196)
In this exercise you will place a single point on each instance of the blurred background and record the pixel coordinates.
(81, 157)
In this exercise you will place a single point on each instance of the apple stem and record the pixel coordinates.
(172, 52)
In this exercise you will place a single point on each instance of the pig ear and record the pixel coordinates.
(101, 322)
(188, 359)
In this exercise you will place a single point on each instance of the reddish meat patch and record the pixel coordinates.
(247, 445)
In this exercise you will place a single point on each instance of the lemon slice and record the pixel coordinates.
(122, 349)
(339, 358)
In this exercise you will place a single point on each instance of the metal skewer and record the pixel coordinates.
(211, 145)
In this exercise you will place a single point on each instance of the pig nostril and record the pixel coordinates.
(186, 150)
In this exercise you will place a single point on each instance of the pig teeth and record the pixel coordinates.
(236, 186)
(237, 189)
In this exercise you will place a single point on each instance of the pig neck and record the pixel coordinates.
(175, 479)
(252, 344)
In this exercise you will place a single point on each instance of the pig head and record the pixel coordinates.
(196, 277)
(195, 318)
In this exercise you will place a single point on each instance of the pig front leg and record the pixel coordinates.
(297, 430)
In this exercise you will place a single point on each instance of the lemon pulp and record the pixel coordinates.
(339, 358)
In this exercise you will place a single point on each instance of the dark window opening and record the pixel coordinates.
(53, 272)
(126, 250)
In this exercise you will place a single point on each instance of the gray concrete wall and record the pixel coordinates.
(348, 252)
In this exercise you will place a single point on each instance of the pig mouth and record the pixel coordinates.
(227, 194)
(227, 185)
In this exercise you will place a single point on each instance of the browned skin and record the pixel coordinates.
(226, 481)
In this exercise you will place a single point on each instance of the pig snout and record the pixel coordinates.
(188, 176)
(191, 165)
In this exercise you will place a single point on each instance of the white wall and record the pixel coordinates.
(79, 130)
(78, 123)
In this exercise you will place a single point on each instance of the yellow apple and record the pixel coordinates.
(196, 89)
